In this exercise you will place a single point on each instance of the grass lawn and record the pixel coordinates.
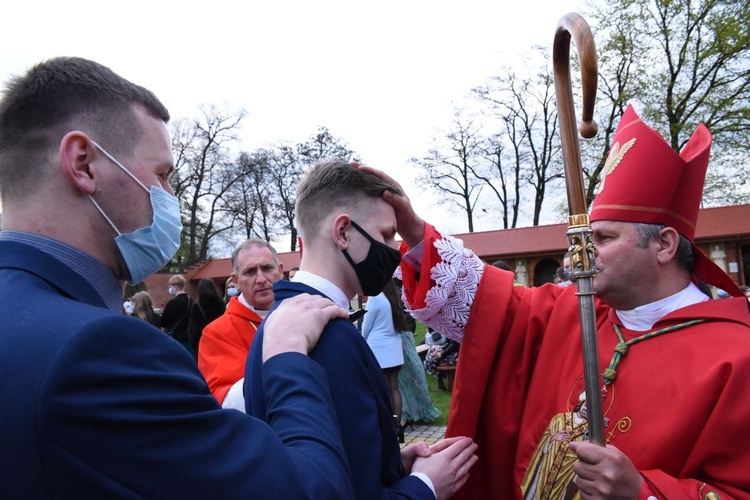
(441, 399)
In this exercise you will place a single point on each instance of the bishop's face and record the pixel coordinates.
(625, 272)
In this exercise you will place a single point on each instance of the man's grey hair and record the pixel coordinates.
(684, 255)
(252, 242)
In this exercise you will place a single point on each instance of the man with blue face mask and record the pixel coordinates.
(99, 404)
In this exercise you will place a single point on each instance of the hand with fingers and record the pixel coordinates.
(410, 453)
(605, 472)
(408, 224)
(296, 325)
(448, 464)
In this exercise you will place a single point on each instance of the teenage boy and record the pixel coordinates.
(348, 232)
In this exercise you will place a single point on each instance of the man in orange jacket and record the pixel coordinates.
(226, 341)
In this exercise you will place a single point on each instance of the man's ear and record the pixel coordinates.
(340, 226)
(76, 154)
(669, 240)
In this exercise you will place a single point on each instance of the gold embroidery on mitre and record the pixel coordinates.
(614, 158)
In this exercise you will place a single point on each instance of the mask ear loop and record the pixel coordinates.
(114, 160)
(104, 215)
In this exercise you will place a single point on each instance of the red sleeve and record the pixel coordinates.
(646, 492)
(660, 485)
(417, 282)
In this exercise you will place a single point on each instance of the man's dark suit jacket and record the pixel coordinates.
(101, 405)
(362, 399)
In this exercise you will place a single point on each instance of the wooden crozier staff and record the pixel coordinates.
(579, 230)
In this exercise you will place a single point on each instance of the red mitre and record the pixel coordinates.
(645, 180)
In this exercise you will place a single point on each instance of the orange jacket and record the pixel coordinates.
(224, 346)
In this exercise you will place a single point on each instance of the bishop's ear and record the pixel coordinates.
(77, 152)
(669, 240)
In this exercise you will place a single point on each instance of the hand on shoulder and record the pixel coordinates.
(296, 325)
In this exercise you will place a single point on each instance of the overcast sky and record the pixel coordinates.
(381, 75)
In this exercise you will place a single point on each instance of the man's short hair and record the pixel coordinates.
(333, 183)
(560, 273)
(177, 280)
(55, 97)
(684, 255)
(501, 264)
(250, 243)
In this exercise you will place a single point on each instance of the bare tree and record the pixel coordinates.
(286, 169)
(204, 175)
(526, 109)
(450, 167)
(321, 145)
(503, 175)
(288, 164)
(249, 200)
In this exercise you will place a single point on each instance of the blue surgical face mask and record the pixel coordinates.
(233, 292)
(148, 249)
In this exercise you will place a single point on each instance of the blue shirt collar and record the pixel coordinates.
(94, 271)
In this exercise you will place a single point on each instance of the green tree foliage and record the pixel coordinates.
(681, 62)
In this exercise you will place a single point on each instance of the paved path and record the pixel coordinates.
(430, 434)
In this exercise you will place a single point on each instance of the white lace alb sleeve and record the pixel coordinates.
(456, 277)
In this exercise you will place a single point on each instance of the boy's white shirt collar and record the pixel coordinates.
(323, 286)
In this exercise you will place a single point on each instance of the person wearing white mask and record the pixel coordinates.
(128, 307)
(100, 404)
(226, 340)
(230, 290)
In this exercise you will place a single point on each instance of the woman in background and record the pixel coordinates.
(416, 404)
(230, 290)
(207, 307)
(381, 328)
(143, 308)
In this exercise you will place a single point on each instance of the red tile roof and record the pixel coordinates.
(723, 222)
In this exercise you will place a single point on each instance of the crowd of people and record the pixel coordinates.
(272, 392)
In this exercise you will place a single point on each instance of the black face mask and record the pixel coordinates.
(377, 268)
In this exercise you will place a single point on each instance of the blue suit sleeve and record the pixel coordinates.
(123, 411)
(301, 412)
